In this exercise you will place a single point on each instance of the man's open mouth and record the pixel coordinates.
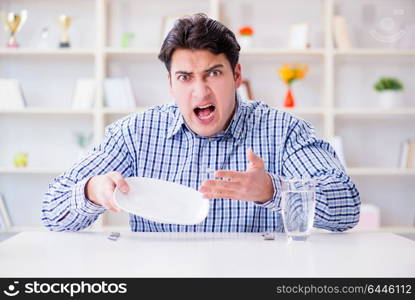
(204, 112)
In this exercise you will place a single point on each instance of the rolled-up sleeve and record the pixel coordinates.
(337, 198)
(305, 156)
(65, 207)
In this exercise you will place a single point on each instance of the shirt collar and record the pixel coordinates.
(176, 124)
(235, 128)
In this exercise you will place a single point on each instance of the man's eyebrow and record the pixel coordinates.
(213, 67)
(205, 71)
(183, 72)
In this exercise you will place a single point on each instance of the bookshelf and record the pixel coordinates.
(327, 97)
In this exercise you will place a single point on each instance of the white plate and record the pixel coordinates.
(162, 201)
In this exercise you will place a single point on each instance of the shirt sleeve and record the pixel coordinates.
(337, 198)
(65, 207)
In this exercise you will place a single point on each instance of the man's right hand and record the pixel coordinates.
(100, 189)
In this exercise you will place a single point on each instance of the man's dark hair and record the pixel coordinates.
(199, 32)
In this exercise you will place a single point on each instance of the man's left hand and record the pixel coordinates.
(252, 185)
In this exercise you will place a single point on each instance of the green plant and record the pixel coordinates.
(388, 83)
(83, 139)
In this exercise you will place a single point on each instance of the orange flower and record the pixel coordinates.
(246, 30)
(289, 73)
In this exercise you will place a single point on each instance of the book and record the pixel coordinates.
(407, 154)
(11, 95)
(4, 214)
(410, 162)
(403, 156)
(118, 93)
(84, 93)
(299, 36)
(337, 143)
(129, 97)
(341, 33)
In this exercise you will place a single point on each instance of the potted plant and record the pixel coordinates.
(390, 92)
(83, 140)
(245, 37)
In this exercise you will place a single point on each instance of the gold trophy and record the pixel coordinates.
(13, 23)
(65, 22)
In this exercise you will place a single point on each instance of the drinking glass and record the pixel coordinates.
(298, 207)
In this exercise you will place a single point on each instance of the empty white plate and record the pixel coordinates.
(162, 201)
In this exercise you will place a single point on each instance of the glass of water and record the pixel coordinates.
(298, 207)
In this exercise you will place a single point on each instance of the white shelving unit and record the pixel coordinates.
(322, 96)
(62, 52)
(375, 112)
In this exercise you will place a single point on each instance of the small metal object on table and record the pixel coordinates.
(114, 236)
(269, 236)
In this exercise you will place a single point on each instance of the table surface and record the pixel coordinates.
(91, 254)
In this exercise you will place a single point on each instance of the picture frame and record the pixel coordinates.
(84, 93)
(341, 33)
(245, 90)
(299, 36)
(118, 93)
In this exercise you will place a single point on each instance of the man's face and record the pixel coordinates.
(203, 86)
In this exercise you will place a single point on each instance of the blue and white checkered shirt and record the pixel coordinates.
(158, 144)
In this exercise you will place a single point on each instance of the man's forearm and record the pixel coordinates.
(65, 207)
(337, 202)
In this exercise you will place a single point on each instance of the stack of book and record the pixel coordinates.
(407, 157)
(5, 221)
(11, 95)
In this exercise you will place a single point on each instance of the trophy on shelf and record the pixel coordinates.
(65, 22)
(13, 23)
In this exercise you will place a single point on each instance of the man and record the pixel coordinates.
(209, 127)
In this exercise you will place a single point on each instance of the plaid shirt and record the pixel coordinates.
(158, 144)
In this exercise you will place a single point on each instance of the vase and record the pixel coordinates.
(289, 101)
(390, 99)
(245, 41)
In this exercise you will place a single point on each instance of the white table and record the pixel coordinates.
(87, 254)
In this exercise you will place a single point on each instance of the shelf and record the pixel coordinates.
(282, 51)
(299, 111)
(374, 111)
(48, 111)
(124, 111)
(29, 171)
(380, 52)
(254, 51)
(33, 51)
(110, 228)
(133, 51)
(303, 111)
(389, 229)
(381, 171)
(276, 51)
(24, 228)
(93, 228)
